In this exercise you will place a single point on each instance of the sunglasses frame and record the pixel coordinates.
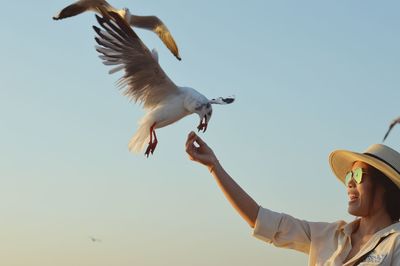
(356, 175)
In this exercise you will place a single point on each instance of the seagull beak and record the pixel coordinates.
(203, 124)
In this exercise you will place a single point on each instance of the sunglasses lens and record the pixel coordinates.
(348, 178)
(358, 175)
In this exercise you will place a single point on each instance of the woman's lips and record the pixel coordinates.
(352, 197)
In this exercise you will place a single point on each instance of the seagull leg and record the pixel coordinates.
(202, 125)
(152, 144)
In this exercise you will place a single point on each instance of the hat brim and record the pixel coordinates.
(341, 162)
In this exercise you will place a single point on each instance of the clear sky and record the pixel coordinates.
(309, 77)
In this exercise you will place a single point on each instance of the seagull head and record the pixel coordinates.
(204, 111)
(125, 13)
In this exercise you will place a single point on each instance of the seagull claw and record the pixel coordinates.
(202, 126)
(150, 148)
(147, 153)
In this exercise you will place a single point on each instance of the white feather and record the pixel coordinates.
(141, 137)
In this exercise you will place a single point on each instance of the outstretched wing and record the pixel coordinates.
(154, 24)
(144, 80)
(394, 122)
(70, 11)
(81, 6)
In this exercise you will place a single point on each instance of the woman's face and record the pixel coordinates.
(363, 200)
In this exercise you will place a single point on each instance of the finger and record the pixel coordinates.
(190, 148)
(200, 141)
(192, 153)
(191, 134)
(188, 143)
(190, 139)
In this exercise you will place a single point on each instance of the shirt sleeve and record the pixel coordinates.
(283, 230)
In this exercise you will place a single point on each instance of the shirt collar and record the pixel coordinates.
(389, 230)
(349, 228)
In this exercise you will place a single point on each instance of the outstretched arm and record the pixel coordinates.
(200, 152)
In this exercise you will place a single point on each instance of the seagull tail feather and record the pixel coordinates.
(141, 137)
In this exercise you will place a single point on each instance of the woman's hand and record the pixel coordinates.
(199, 151)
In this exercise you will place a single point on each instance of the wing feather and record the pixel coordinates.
(152, 23)
(156, 25)
(70, 11)
(144, 80)
(392, 124)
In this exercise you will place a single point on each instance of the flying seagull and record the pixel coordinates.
(394, 122)
(94, 239)
(152, 23)
(146, 82)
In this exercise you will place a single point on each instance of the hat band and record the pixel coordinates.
(380, 159)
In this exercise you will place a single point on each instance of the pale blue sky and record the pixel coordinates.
(309, 77)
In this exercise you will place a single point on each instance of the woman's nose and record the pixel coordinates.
(351, 183)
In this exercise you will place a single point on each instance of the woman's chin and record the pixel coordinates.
(353, 210)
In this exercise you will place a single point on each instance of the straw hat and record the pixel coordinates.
(379, 156)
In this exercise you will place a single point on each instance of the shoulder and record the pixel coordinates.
(324, 229)
(271, 221)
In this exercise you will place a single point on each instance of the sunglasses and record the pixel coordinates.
(356, 175)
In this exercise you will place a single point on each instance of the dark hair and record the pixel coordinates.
(391, 196)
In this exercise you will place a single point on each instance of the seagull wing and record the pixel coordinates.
(155, 24)
(81, 6)
(144, 80)
(394, 122)
(152, 23)
(387, 133)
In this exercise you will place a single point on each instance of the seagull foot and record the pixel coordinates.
(202, 127)
(150, 149)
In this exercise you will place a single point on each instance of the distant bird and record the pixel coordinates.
(394, 122)
(145, 81)
(94, 239)
(152, 23)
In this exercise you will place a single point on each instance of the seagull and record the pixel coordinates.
(94, 239)
(152, 23)
(394, 122)
(144, 81)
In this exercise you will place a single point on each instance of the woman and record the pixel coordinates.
(372, 179)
